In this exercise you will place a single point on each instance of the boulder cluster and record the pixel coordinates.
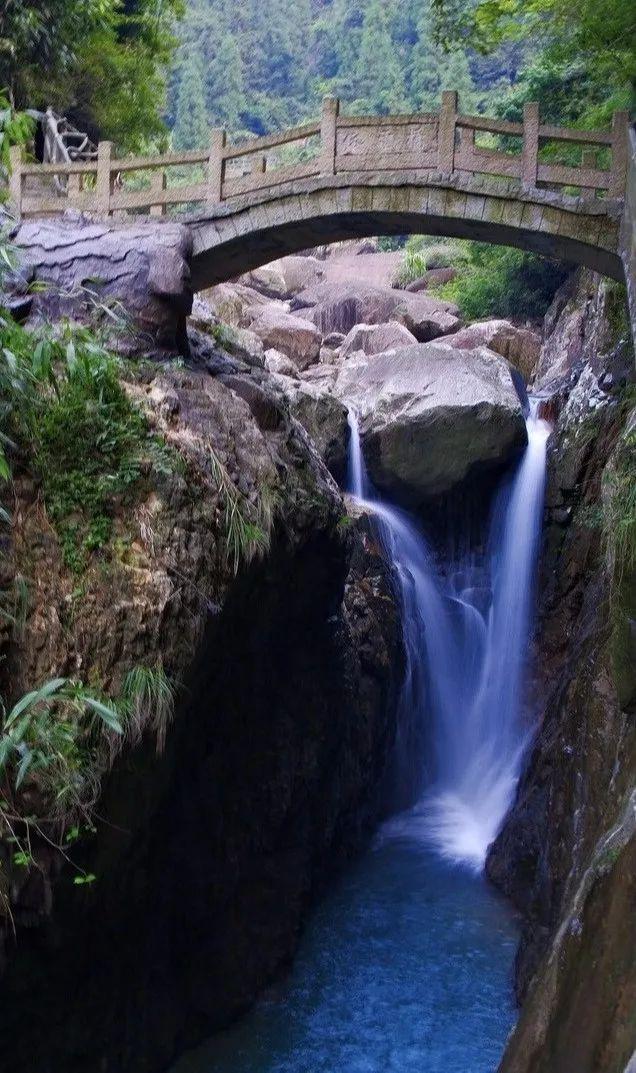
(434, 399)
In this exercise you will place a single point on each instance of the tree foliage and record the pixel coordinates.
(191, 126)
(102, 62)
(588, 46)
(268, 65)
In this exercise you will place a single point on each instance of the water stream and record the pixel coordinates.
(406, 965)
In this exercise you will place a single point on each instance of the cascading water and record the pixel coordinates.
(466, 631)
(405, 966)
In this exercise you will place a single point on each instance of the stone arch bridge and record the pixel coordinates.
(560, 192)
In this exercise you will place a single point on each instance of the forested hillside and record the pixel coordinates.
(141, 71)
(257, 66)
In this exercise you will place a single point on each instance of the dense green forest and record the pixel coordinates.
(142, 71)
(258, 66)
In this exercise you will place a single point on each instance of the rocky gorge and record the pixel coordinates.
(266, 595)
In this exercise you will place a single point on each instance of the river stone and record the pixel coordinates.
(520, 346)
(376, 338)
(300, 272)
(234, 302)
(435, 277)
(429, 413)
(267, 280)
(299, 339)
(338, 307)
(426, 318)
(277, 362)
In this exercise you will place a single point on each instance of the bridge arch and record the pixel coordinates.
(249, 231)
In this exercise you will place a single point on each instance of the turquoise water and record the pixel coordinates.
(405, 967)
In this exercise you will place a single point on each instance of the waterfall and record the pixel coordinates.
(466, 630)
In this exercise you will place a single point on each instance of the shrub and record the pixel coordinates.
(424, 252)
(48, 738)
(63, 405)
(500, 281)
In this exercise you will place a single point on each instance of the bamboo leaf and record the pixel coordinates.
(107, 714)
(29, 700)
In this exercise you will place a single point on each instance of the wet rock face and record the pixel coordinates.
(263, 791)
(208, 856)
(429, 413)
(564, 852)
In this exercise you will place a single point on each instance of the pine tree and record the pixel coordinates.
(379, 75)
(191, 124)
(225, 90)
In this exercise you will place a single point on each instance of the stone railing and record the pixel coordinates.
(446, 143)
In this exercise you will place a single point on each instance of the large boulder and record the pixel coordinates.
(295, 337)
(435, 277)
(430, 413)
(276, 362)
(426, 318)
(338, 307)
(376, 338)
(79, 265)
(267, 280)
(234, 303)
(286, 277)
(300, 272)
(520, 346)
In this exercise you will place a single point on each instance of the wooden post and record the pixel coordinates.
(261, 165)
(620, 121)
(446, 133)
(15, 179)
(530, 149)
(102, 189)
(216, 165)
(328, 133)
(157, 187)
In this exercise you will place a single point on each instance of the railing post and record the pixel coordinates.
(620, 122)
(328, 133)
(446, 133)
(15, 179)
(73, 187)
(216, 165)
(102, 188)
(157, 187)
(530, 149)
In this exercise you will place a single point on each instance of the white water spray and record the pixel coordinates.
(466, 633)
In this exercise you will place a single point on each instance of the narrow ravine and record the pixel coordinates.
(406, 966)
